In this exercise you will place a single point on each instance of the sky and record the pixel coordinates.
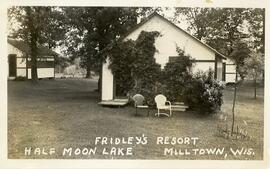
(169, 13)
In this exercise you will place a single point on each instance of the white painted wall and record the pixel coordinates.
(21, 72)
(230, 78)
(203, 66)
(42, 72)
(219, 69)
(229, 61)
(21, 62)
(230, 68)
(170, 38)
(107, 82)
(13, 50)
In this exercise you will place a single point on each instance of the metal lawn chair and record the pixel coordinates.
(161, 101)
(139, 102)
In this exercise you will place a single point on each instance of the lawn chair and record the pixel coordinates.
(161, 101)
(139, 103)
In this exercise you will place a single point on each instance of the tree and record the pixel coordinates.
(97, 27)
(225, 29)
(38, 26)
(239, 53)
(232, 31)
(92, 29)
(198, 19)
(254, 66)
(257, 29)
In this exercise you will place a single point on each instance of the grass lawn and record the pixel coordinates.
(64, 113)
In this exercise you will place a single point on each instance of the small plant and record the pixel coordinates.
(239, 133)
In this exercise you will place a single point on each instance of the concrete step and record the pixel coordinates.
(179, 106)
(178, 109)
(178, 103)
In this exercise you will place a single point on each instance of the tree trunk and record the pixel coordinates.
(33, 44)
(255, 85)
(33, 47)
(101, 47)
(100, 84)
(88, 72)
(234, 100)
(263, 77)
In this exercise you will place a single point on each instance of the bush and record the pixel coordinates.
(203, 93)
(200, 91)
(122, 58)
(133, 65)
(145, 71)
(175, 76)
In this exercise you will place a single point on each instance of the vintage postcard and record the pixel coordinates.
(140, 85)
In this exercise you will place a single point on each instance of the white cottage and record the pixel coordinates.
(171, 36)
(19, 61)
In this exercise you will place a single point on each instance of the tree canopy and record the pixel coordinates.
(92, 29)
(226, 29)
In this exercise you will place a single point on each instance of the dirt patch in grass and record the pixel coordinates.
(64, 113)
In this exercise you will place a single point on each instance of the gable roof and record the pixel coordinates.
(180, 29)
(24, 47)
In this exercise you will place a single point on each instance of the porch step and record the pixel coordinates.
(178, 103)
(179, 106)
(114, 102)
(11, 78)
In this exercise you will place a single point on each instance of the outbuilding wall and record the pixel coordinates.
(230, 71)
(43, 72)
(170, 38)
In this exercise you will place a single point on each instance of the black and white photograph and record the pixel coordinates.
(135, 83)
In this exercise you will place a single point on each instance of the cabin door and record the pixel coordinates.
(12, 65)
